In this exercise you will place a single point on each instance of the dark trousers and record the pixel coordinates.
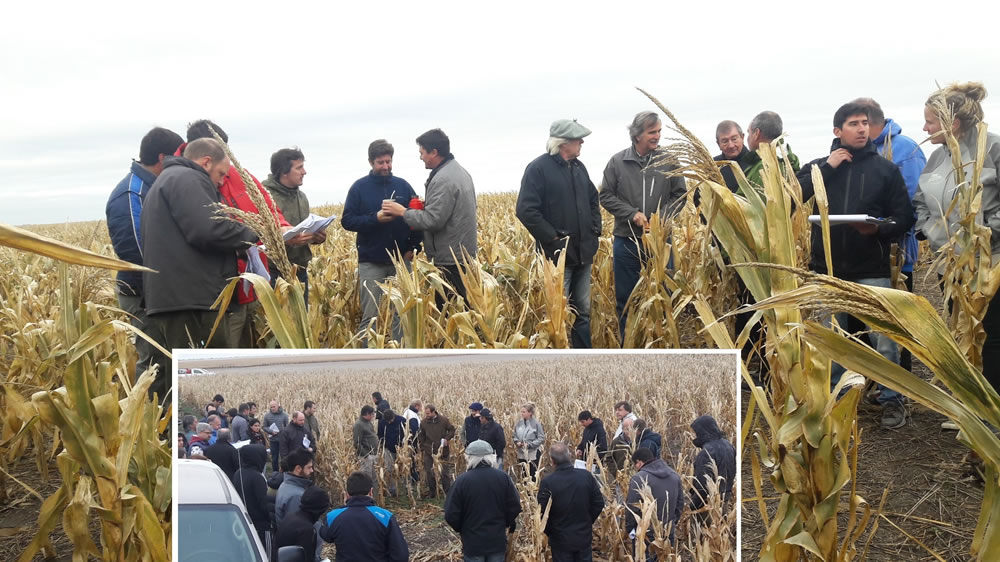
(628, 256)
(905, 358)
(275, 453)
(586, 555)
(746, 297)
(453, 278)
(991, 347)
(530, 465)
(179, 330)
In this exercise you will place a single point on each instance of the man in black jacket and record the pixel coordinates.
(482, 505)
(296, 436)
(298, 528)
(664, 483)
(861, 182)
(492, 433)
(252, 487)
(593, 433)
(192, 252)
(729, 137)
(714, 448)
(362, 531)
(576, 503)
(224, 454)
(558, 204)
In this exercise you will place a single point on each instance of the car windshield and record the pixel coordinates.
(215, 532)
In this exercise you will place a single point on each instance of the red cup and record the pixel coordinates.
(416, 203)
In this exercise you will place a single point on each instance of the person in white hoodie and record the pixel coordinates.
(528, 439)
(961, 104)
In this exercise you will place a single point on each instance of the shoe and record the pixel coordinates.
(950, 425)
(893, 415)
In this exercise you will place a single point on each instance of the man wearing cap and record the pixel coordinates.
(558, 204)
(471, 428)
(634, 187)
(492, 433)
(482, 506)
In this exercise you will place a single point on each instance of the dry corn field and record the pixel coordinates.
(668, 390)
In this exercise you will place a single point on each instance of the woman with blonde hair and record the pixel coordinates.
(528, 439)
(957, 111)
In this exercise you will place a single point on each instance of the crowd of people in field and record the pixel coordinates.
(163, 215)
(482, 504)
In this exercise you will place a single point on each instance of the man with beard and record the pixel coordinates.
(298, 477)
(380, 234)
(296, 436)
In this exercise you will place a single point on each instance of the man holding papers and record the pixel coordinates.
(380, 235)
(288, 170)
(861, 182)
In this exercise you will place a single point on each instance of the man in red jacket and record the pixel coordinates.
(234, 193)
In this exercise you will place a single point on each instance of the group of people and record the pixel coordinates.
(482, 504)
(876, 171)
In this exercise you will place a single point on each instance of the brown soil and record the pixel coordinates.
(934, 492)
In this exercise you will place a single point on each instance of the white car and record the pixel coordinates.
(213, 524)
(194, 371)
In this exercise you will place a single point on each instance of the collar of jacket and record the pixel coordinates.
(181, 161)
(145, 175)
(434, 172)
(565, 466)
(272, 183)
(384, 180)
(359, 501)
(889, 129)
(632, 155)
(867, 150)
(297, 480)
(561, 162)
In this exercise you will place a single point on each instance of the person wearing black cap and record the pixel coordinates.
(471, 428)
(482, 506)
(558, 204)
(492, 433)
(361, 530)
(299, 527)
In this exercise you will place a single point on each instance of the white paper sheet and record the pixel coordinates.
(310, 225)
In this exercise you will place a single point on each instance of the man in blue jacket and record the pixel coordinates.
(124, 210)
(362, 531)
(887, 137)
(379, 234)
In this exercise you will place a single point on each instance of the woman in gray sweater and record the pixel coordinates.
(528, 439)
(961, 104)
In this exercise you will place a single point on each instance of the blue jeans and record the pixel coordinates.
(496, 557)
(629, 255)
(576, 285)
(883, 344)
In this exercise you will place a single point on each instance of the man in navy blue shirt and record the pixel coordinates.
(123, 211)
(379, 234)
(362, 531)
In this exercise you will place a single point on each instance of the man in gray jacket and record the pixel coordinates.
(634, 187)
(448, 219)
(191, 252)
(366, 441)
(294, 483)
(239, 425)
(274, 421)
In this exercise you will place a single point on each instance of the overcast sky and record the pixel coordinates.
(80, 84)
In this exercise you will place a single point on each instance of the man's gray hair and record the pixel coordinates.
(203, 147)
(472, 461)
(769, 125)
(725, 127)
(875, 114)
(559, 452)
(554, 143)
(642, 121)
(212, 418)
(223, 436)
(202, 426)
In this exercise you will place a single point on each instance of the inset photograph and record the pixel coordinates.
(456, 456)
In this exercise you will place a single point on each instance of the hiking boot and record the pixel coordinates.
(893, 415)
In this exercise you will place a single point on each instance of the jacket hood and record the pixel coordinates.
(705, 430)
(657, 468)
(272, 183)
(651, 436)
(890, 129)
(867, 150)
(253, 456)
(297, 480)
